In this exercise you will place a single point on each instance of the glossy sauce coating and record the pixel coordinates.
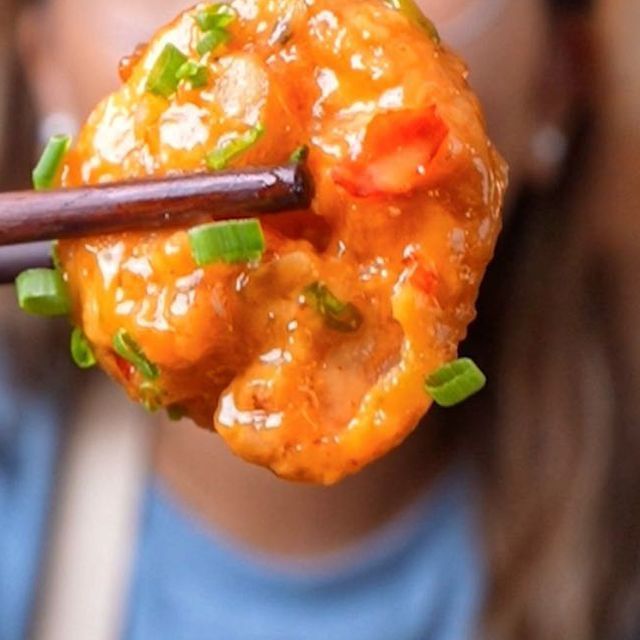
(404, 222)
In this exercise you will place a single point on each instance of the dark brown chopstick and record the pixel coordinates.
(28, 216)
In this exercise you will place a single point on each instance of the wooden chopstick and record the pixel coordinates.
(28, 216)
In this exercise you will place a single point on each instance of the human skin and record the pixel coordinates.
(244, 502)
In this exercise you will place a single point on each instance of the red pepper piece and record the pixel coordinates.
(422, 278)
(425, 280)
(397, 150)
(126, 368)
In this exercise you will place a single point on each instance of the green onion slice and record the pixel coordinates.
(338, 315)
(150, 396)
(42, 292)
(47, 168)
(216, 16)
(126, 347)
(55, 255)
(221, 157)
(211, 40)
(299, 154)
(229, 241)
(196, 74)
(176, 412)
(412, 11)
(163, 78)
(81, 351)
(455, 382)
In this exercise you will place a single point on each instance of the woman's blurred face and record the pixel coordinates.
(503, 42)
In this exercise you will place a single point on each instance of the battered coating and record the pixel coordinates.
(310, 361)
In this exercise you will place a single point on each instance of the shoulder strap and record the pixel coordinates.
(95, 520)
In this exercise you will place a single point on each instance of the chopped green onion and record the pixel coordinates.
(55, 256)
(150, 396)
(299, 154)
(413, 12)
(81, 351)
(229, 241)
(176, 412)
(455, 382)
(220, 158)
(217, 16)
(126, 347)
(196, 74)
(338, 315)
(45, 172)
(163, 78)
(42, 292)
(211, 40)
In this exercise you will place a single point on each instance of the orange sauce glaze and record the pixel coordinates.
(237, 346)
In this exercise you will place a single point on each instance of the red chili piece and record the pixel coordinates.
(397, 150)
(126, 368)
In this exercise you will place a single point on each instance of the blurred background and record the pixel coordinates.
(565, 287)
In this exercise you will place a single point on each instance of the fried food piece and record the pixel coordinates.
(310, 360)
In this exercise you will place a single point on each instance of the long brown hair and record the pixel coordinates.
(557, 436)
(18, 150)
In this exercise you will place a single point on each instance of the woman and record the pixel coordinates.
(516, 514)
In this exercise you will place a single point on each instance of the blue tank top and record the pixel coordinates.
(420, 577)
